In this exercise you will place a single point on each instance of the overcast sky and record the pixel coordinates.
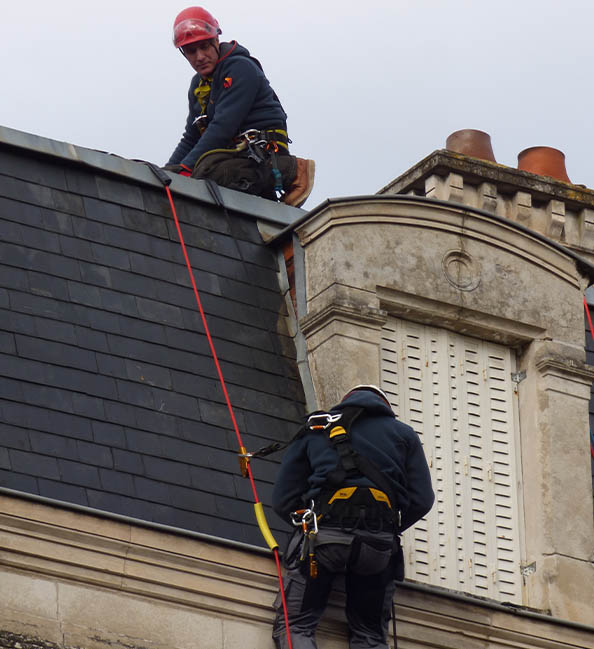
(370, 87)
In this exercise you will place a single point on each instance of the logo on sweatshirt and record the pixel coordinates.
(227, 82)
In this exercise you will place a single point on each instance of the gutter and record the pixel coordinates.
(433, 591)
(122, 518)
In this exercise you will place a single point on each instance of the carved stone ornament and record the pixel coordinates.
(461, 270)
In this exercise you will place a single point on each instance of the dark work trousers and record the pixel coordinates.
(237, 170)
(369, 572)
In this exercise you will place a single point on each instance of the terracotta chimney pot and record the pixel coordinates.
(471, 142)
(544, 161)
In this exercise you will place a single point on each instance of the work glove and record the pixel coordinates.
(182, 170)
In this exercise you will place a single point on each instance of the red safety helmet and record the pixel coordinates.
(194, 24)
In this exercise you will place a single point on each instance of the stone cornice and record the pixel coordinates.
(566, 368)
(457, 318)
(316, 320)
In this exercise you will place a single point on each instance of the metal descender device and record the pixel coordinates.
(307, 519)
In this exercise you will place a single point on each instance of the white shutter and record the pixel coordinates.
(457, 393)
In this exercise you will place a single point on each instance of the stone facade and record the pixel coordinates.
(466, 271)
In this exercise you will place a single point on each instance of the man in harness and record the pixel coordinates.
(352, 480)
(236, 132)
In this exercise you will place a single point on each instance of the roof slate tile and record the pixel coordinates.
(41, 466)
(128, 461)
(115, 191)
(62, 491)
(56, 353)
(102, 211)
(36, 171)
(4, 459)
(54, 445)
(143, 222)
(7, 344)
(79, 474)
(117, 482)
(19, 482)
(48, 286)
(80, 182)
(108, 434)
(14, 436)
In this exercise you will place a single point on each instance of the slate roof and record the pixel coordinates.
(108, 393)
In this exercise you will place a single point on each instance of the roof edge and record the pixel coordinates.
(138, 171)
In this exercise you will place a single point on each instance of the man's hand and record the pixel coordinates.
(182, 170)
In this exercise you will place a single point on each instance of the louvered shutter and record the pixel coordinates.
(457, 393)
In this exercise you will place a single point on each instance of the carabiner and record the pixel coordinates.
(326, 417)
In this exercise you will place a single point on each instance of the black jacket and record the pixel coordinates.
(394, 447)
(240, 98)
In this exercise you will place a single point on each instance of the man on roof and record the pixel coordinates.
(353, 479)
(236, 132)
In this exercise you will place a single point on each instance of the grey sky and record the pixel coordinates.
(370, 87)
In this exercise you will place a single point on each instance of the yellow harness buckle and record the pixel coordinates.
(342, 494)
(337, 430)
(380, 496)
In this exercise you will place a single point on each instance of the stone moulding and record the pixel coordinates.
(460, 319)
(360, 315)
(455, 219)
(75, 579)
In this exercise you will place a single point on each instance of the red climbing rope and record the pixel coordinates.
(246, 463)
(209, 337)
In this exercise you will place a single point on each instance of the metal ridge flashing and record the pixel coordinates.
(138, 171)
(584, 266)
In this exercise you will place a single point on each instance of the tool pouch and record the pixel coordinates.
(371, 555)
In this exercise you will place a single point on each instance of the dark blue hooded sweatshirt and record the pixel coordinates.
(394, 447)
(240, 98)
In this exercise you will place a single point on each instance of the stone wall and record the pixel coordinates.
(462, 270)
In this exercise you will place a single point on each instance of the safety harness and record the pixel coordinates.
(349, 508)
(262, 146)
